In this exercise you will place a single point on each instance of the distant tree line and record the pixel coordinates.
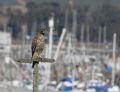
(107, 15)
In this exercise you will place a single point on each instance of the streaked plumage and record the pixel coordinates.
(37, 46)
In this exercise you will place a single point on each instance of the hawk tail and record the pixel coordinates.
(33, 64)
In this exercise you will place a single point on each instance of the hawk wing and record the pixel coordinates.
(37, 47)
(34, 45)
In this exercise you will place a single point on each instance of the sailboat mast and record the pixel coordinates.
(88, 34)
(104, 34)
(114, 59)
(51, 26)
(99, 36)
(74, 22)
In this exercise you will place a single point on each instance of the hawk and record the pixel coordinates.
(38, 46)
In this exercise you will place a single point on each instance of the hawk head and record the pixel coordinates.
(43, 29)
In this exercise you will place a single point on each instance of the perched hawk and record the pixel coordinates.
(38, 46)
